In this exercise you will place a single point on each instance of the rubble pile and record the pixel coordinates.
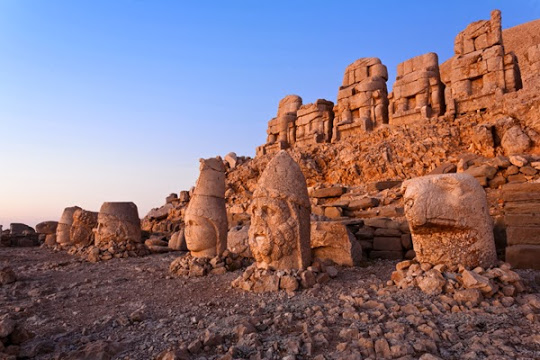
(191, 266)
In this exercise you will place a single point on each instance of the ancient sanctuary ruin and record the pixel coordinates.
(373, 225)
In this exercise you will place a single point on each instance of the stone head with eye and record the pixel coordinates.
(279, 235)
(206, 216)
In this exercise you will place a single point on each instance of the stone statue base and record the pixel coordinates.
(191, 266)
(266, 280)
(464, 285)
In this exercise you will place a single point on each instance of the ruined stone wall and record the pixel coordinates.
(481, 71)
(418, 91)
(362, 101)
(314, 123)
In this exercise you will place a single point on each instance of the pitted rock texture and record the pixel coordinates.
(279, 235)
(449, 219)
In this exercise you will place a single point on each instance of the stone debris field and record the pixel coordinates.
(389, 225)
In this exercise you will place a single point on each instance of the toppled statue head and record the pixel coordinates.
(117, 222)
(206, 215)
(279, 235)
(449, 219)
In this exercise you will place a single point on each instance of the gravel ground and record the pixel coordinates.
(133, 309)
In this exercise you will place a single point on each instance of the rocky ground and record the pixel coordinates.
(133, 309)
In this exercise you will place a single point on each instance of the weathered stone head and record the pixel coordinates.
(206, 215)
(82, 228)
(279, 235)
(63, 229)
(118, 222)
(449, 219)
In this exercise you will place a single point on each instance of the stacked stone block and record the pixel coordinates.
(481, 70)
(281, 129)
(418, 92)
(522, 218)
(314, 123)
(362, 101)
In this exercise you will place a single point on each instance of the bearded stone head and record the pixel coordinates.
(206, 215)
(279, 235)
(117, 222)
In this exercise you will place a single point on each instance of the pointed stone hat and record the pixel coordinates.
(208, 200)
(283, 179)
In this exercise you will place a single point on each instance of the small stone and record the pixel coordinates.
(6, 327)
(332, 271)
(7, 276)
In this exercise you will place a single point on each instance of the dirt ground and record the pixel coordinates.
(133, 309)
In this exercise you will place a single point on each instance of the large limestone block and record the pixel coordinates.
(524, 256)
(47, 227)
(332, 240)
(118, 222)
(238, 241)
(63, 230)
(84, 222)
(206, 215)
(449, 220)
(20, 229)
(279, 235)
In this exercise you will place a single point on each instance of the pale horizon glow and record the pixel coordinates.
(117, 100)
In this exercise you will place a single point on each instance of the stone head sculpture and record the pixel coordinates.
(63, 230)
(117, 222)
(279, 235)
(206, 215)
(449, 219)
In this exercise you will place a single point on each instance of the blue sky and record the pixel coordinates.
(111, 100)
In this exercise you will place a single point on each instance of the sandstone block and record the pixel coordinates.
(523, 256)
(334, 191)
(333, 241)
(47, 227)
(364, 203)
(238, 241)
(523, 235)
(20, 229)
(387, 243)
(449, 220)
(333, 212)
(385, 254)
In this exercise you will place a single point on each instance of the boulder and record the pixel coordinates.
(178, 241)
(238, 241)
(47, 227)
(334, 241)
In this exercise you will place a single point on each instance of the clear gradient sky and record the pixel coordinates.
(116, 100)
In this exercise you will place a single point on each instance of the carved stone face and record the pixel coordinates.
(273, 231)
(201, 237)
(117, 223)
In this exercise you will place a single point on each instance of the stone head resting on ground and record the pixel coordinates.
(206, 215)
(279, 235)
(449, 219)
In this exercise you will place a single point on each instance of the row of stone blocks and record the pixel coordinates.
(522, 219)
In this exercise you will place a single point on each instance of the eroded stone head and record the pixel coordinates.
(279, 235)
(449, 220)
(206, 215)
(118, 222)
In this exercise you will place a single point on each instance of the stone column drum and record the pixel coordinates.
(206, 215)
(63, 230)
(279, 235)
(449, 219)
(118, 222)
